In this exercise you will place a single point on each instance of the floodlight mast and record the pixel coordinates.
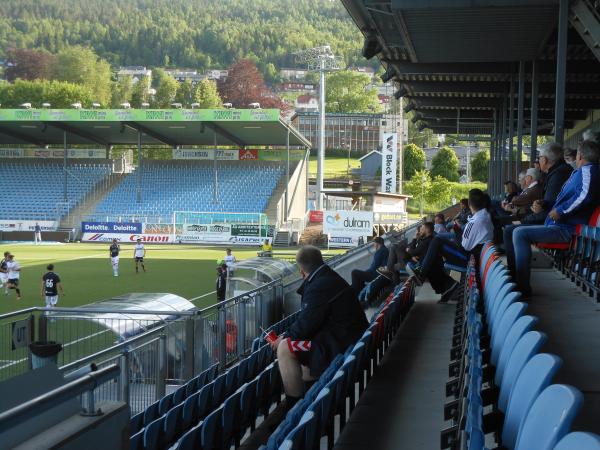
(320, 59)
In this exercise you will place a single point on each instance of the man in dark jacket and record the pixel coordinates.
(360, 277)
(331, 319)
(221, 283)
(557, 171)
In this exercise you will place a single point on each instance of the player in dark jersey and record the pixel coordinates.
(114, 250)
(4, 273)
(51, 284)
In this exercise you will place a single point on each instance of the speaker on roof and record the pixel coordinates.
(408, 108)
(402, 92)
(388, 74)
(371, 46)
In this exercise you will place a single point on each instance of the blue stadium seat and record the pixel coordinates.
(248, 405)
(579, 441)
(549, 418)
(205, 400)
(136, 423)
(211, 430)
(301, 434)
(191, 439)
(153, 434)
(151, 413)
(231, 419)
(519, 328)
(136, 441)
(173, 423)
(512, 314)
(218, 393)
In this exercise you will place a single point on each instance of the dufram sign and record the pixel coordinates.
(389, 162)
(348, 223)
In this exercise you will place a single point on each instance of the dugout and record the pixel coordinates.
(253, 273)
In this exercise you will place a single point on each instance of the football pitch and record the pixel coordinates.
(86, 272)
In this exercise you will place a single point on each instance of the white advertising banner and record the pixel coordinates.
(27, 225)
(206, 154)
(46, 153)
(204, 233)
(125, 238)
(389, 163)
(342, 242)
(348, 223)
(11, 153)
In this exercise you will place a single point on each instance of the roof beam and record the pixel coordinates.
(462, 4)
(153, 134)
(82, 134)
(496, 87)
(580, 104)
(481, 123)
(21, 137)
(469, 114)
(226, 134)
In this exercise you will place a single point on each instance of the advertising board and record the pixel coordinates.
(315, 216)
(342, 242)
(28, 225)
(348, 223)
(206, 154)
(389, 162)
(125, 238)
(111, 227)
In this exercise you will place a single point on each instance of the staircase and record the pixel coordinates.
(585, 18)
(282, 239)
(74, 217)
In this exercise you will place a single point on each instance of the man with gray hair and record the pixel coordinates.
(574, 205)
(330, 320)
(520, 205)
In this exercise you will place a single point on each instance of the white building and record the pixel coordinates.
(135, 72)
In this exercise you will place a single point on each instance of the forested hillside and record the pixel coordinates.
(199, 34)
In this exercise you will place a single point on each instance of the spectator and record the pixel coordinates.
(589, 135)
(221, 283)
(439, 223)
(360, 277)
(520, 205)
(557, 171)
(462, 217)
(511, 190)
(574, 205)
(478, 231)
(570, 155)
(331, 319)
(403, 252)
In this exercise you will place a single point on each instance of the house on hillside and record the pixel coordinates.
(307, 102)
(370, 165)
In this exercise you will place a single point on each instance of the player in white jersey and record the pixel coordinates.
(229, 261)
(4, 273)
(14, 275)
(138, 254)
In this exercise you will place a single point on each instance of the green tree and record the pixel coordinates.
(424, 138)
(414, 160)
(445, 164)
(82, 66)
(139, 93)
(122, 91)
(479, 166)
(165, 92)
(439, 192)
(185, 93)
(418, 186)
(207, 95)
(59, 94)
(349, 92)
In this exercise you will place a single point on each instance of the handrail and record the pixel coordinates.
(61, 394)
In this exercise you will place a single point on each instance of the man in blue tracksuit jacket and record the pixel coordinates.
(579, 196)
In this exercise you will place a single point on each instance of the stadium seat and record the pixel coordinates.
(153, 434)
(579, 441)
(210, 432)
(136, 441)
(173, 423)
(191, 439)
(549, 418)
(300, 435)
(521, 326)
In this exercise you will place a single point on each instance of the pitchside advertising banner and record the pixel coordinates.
(344, 224)
(111, 227)
(27, 225)
(221, 155)
(73, 153)
(389, 162)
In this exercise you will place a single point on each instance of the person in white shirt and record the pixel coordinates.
(229, 261)
(138, 254)
(14, 275)
(4, 273)
(478, 230)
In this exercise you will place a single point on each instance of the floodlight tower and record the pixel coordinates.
(320, 59)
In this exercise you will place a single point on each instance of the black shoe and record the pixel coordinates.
(386, 273)
(415, 274)
(447, 295)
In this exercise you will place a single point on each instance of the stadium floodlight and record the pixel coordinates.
(320, 59)
(96, 105)
(26, 105)
(176, 105)
(254, 105)
(46, 105)
(227, 105)
(195, 105)
(145, 105)
(125, 105)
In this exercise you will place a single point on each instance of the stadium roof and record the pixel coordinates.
(453, 60)
(172, 127)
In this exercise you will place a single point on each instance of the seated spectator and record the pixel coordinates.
(462, 217)
(478, 231)
(331, 319)
(360, 277)
(403, 252)
(511, 190)
(574, 205)
(557, 171)
(521, 204)
(439, 223)
(570, 155)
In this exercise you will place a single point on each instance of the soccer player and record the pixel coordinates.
(50, 286)
(37, 233)
(229, 260)
(4, 273)
(14, 273)
(114, 250)
(138, 254)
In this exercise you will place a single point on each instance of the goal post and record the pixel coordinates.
(195, 227)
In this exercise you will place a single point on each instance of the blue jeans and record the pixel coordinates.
(522, 238)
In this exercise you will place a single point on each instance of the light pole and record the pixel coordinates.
(320, 59)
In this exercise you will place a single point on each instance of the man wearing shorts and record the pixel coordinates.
(114, 250)
(4, 273)
(14, 274)
(50, 285)
(138, 254)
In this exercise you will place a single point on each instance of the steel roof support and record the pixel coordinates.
(65, 173)
(535, 84)
(511, 127)
(561, 71)
(138, 178)
(520, 120)
(503, 140)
